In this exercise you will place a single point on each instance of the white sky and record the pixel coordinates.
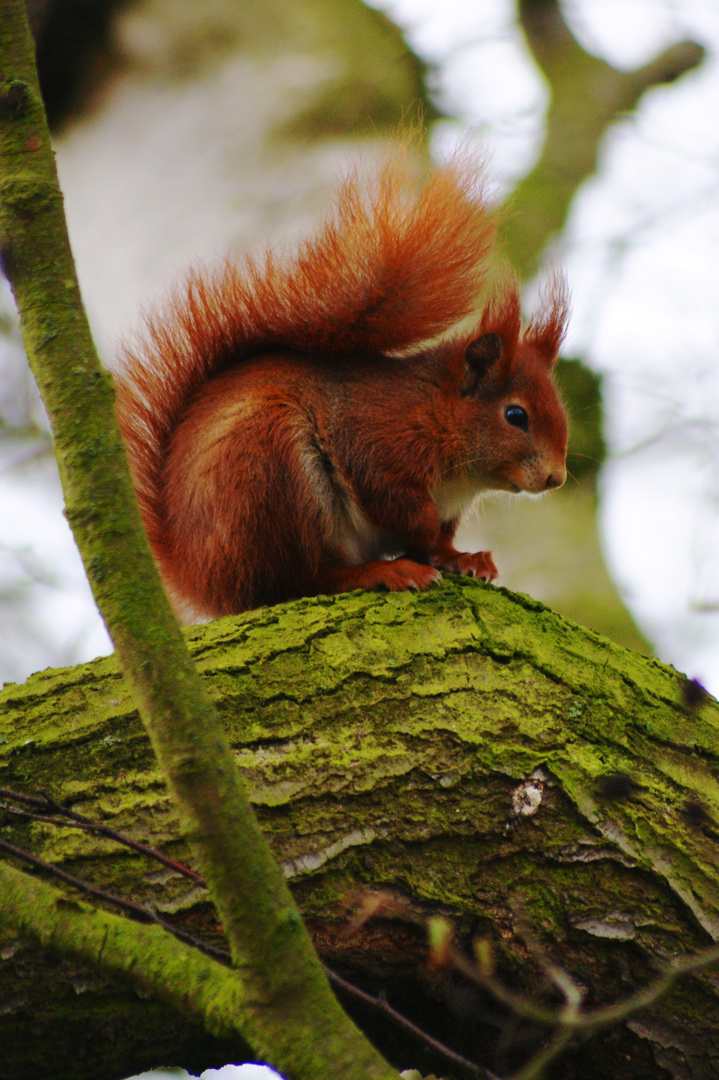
(227, 1072)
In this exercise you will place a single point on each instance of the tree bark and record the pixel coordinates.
(449, 749)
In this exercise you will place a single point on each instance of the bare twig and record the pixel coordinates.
(79, 821)
(575, 1020)
(384, 1007)
(573, 997)
(135, 911)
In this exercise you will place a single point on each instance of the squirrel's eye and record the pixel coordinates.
(517, 416)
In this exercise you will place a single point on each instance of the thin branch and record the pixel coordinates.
(136, 911)
(386, 1009)
(79, 821)
(574, 1020)
(568, 987)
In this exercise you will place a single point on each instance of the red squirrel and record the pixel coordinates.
(298, 426)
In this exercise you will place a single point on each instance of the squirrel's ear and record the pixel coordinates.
(482, 353)
(546, 331)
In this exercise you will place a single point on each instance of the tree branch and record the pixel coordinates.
(587, 96)
(298, 1023)
(199, 987)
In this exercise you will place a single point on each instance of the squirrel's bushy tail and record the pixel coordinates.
(394, 264)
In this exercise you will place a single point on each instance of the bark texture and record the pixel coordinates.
(448, 748)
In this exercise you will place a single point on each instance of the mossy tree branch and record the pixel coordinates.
(446, 750)
(198, 987)
(296, 1021)
(587, 96)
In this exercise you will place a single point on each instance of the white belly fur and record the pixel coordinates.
(454, 496)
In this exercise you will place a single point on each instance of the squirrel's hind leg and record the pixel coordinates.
(395, 576)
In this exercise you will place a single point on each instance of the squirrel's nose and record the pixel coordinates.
(556, 479)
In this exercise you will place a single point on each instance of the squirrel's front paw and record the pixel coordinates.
(480, 564)
(405, 574)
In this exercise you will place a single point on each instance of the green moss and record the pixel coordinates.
(385, 740)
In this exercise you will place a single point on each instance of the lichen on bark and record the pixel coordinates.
(448, 748)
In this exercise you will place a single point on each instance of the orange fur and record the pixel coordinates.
(287, 434)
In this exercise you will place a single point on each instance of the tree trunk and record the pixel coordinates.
(449, 748)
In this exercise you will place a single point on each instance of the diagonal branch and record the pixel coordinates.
(587, 96)
(298, 1023)
(56, 814)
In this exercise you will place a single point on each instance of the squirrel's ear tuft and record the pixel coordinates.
(502, 319)
(548, 327)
